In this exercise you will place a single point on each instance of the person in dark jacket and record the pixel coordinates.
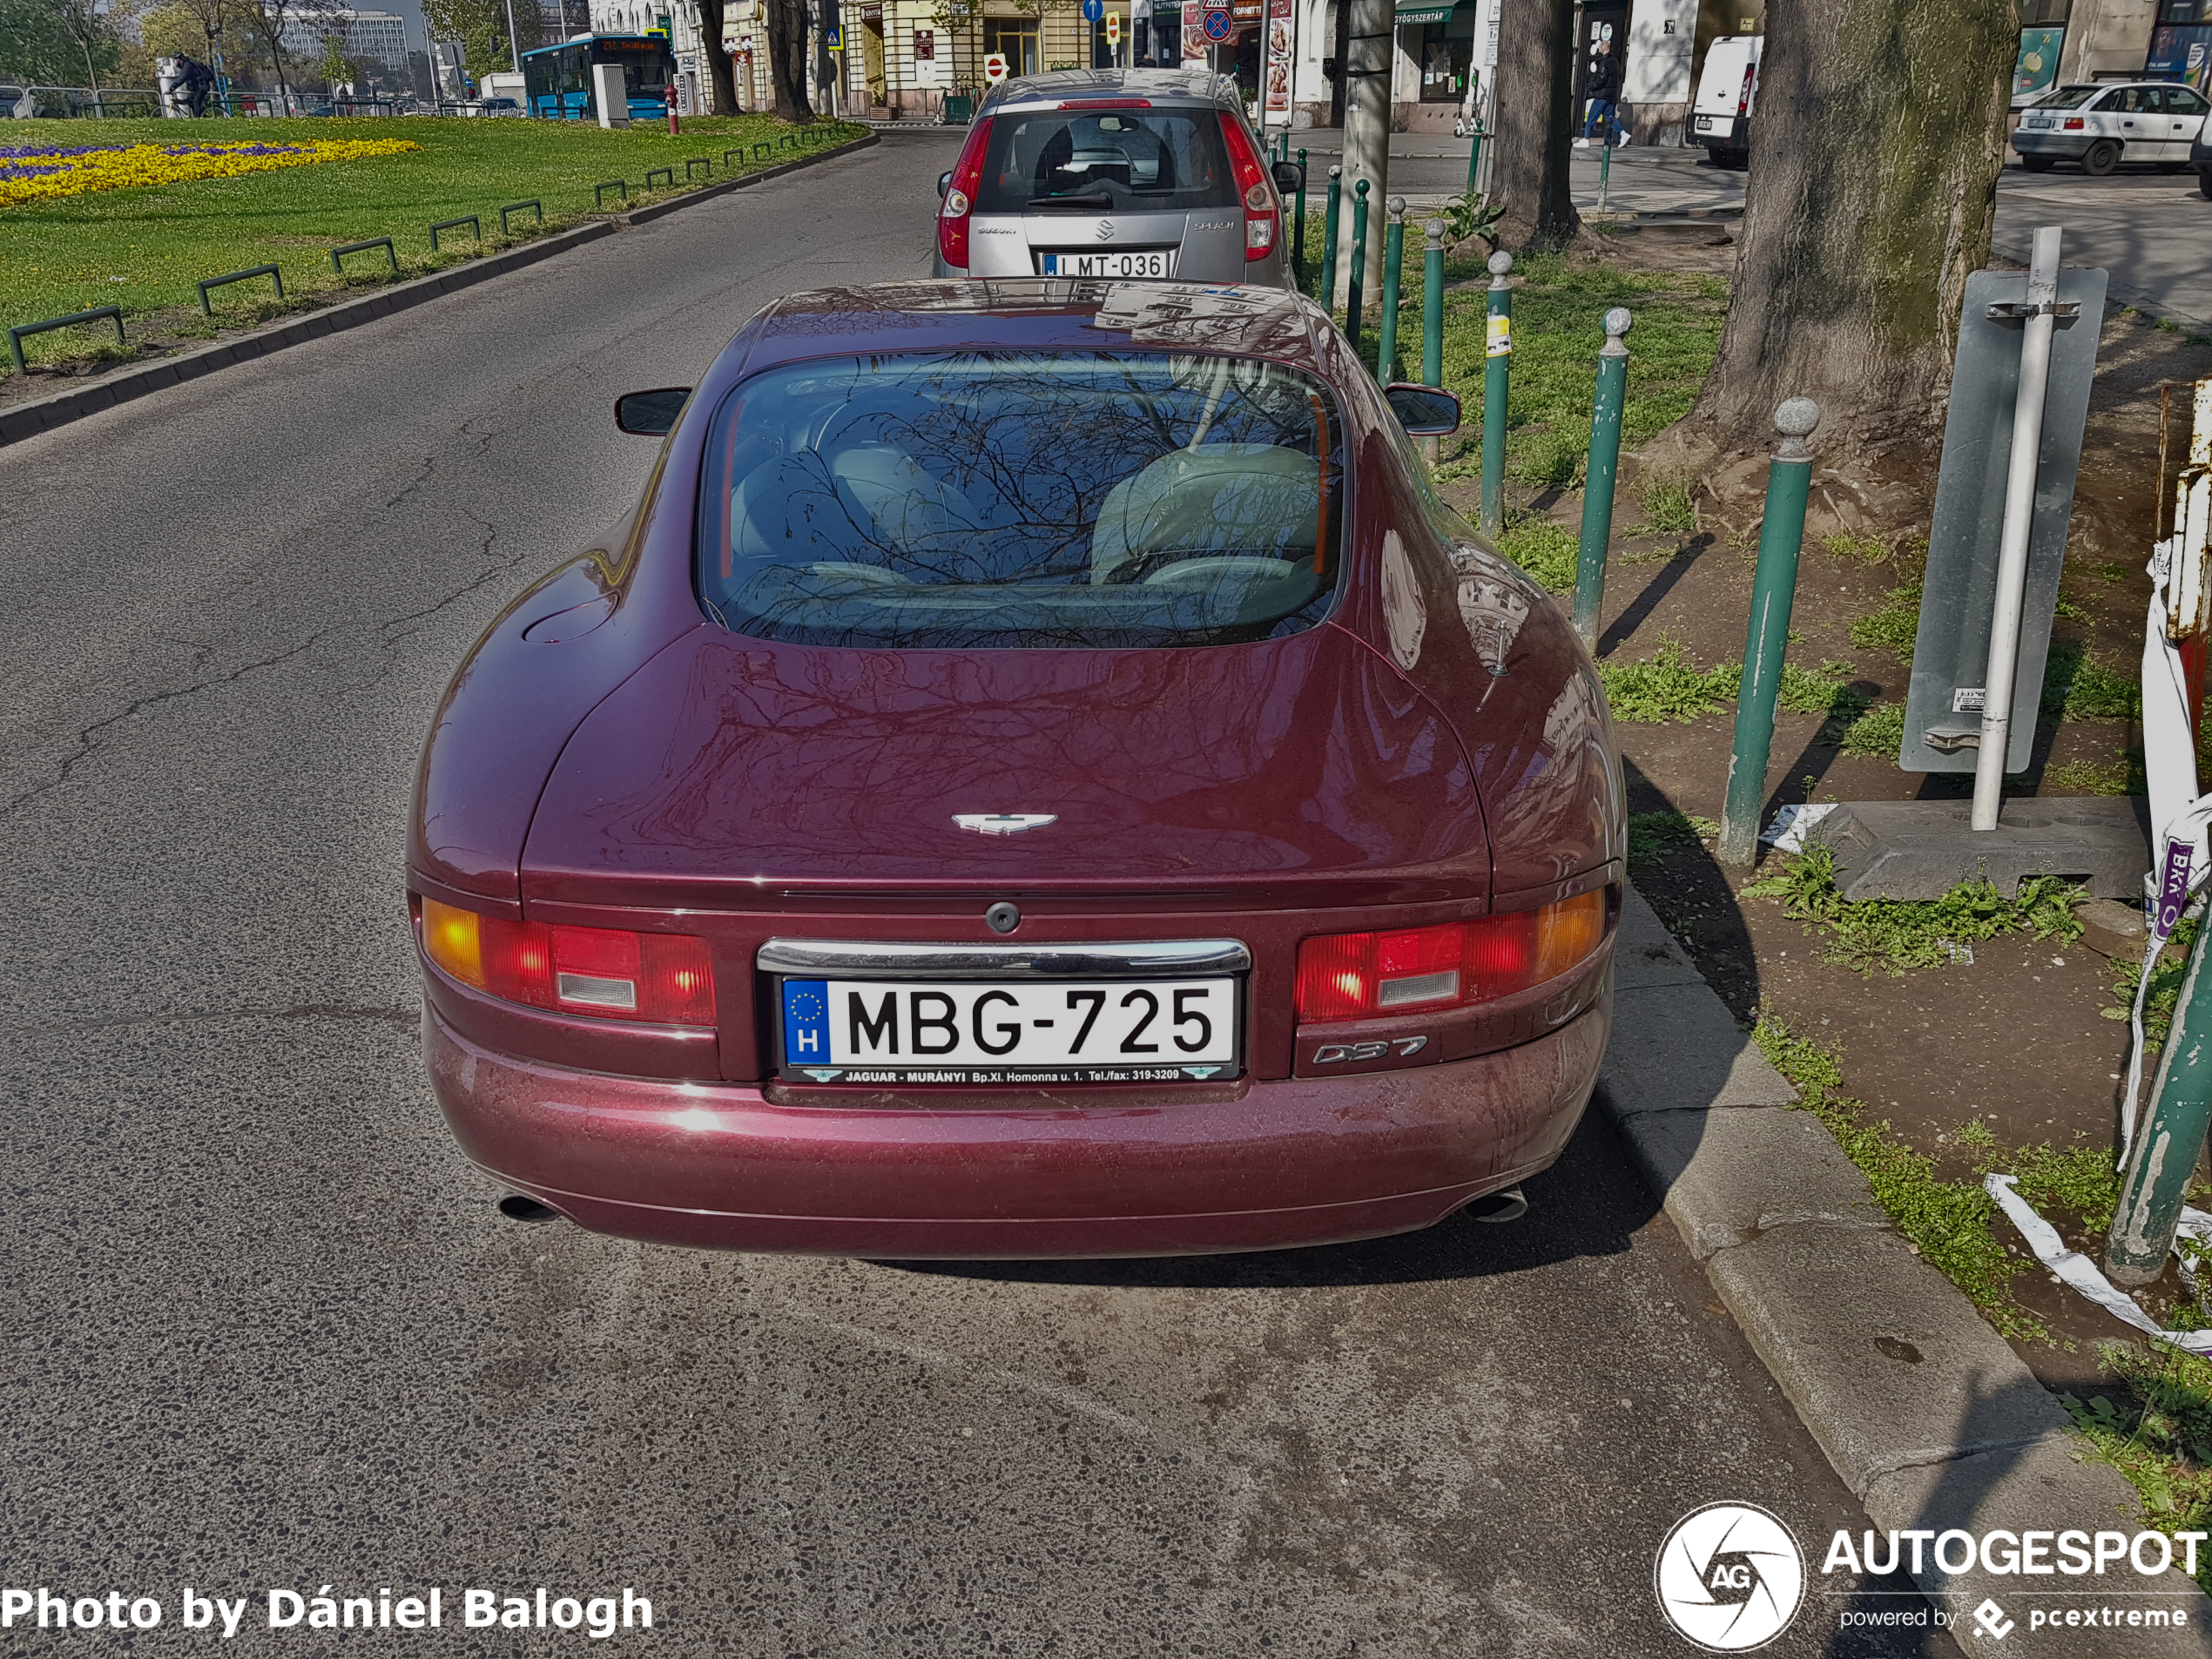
(197, 81)
(1603, 90)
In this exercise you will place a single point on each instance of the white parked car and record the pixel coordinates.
(1721, 118)
(2102, 125)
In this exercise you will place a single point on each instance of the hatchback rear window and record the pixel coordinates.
(2067, 98)
(1106, 161)
(1022, 499)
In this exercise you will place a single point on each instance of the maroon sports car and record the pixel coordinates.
(1040, 773)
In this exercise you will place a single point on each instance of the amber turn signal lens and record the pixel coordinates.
(1352, 976)
(450, 937)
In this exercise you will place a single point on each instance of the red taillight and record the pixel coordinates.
(665, 979)
(960, 200)
(1743, 99)
(1263, 213)
(1352, 976)
(2074, 124)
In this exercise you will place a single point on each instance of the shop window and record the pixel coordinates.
(1444, 62)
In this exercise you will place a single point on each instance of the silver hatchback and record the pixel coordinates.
(1141, 173)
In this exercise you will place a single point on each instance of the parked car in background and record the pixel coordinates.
(1040, 773)
(1138, 174)
(1720, 118)
(2101, 125)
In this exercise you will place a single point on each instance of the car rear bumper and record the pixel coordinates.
(2061, 146)
(1263, 1166)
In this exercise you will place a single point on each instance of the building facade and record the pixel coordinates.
(369, 37)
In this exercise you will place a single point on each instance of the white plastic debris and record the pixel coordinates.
(2072, 1267)
(1787, 832)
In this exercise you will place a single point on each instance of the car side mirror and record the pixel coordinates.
(1289, 178)
(944, 186)
(652, 415)
(1423, 411)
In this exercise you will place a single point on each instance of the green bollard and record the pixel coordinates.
(1774, 587)
(1329, 241)
(1497, 360)
(1356, 280)
(1393, 267)
(1432, 307)
(2164, 1154)
(1604, 468)
(1475, 149)
(1298, 236)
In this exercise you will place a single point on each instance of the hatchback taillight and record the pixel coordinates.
(1352, 976)
(1263, 213)
(2074, 124)
(664, 979)
(959, 199)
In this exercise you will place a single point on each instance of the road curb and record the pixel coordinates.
(43, 414)
(1927, 1415)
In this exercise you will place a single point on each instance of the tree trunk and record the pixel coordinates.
(1535, 121)
(1343, 47)
(787, 58)
(1881, 131)
(721, 83)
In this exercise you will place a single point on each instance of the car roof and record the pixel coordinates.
(1037, 313)
(1081, 85)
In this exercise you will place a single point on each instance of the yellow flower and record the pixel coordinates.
(45, 173)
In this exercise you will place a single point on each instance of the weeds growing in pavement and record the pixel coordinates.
(1543, 549)
(1880, 731)
(1947, 1222)
(2161, 1439)
(1669, 507)
(1867, 550)
(1893, 627)
(1665, 688)
(1803, 690)
(1895, 934)
(1653, 835)
(2165, 992)
(2112, 572)
(2121, 775)
(2078, 687)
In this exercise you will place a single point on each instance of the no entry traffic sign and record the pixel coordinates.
(994, 68)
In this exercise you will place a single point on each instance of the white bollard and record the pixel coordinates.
(610, 94)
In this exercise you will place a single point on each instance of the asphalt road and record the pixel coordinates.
(264, 1328)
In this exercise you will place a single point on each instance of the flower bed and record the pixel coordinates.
(42, 171)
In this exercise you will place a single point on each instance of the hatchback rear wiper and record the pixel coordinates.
(1095, 198)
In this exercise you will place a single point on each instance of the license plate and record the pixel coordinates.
(1026, 1031)
(1704, 123)
(2042, 124)
(1158, 263)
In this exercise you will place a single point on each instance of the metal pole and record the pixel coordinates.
(2165, 1151)
(1329, 238)
(1359, 264)
(1475, 149)
(1298, 236)
(1604, 172)
(2019, 517)
(1497, 360)
(513, 49)
(1433, 305)
(1774, 586)
(1393, 271)
(1371, 53)
(1604, 468)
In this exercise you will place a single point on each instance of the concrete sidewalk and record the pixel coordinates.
(1929, 1417)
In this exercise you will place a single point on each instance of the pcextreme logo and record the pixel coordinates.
(1730, 1577)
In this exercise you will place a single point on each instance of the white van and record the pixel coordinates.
(1721, 118)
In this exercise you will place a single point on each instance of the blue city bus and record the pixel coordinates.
(558, 79)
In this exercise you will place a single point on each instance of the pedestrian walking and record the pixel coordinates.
(1603, 90)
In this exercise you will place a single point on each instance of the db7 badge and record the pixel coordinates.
(1330, 1054)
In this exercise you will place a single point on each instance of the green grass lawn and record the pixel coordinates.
(145, 248)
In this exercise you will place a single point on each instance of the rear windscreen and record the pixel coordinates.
(2067, 98)
(1010, 499)
(1106, 160)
